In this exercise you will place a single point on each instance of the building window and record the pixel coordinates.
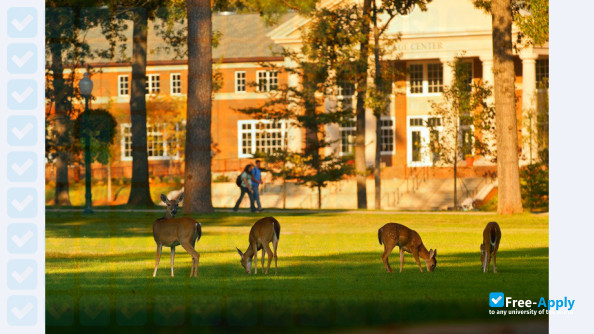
(153, 84)
(542, 73)
(423, 136)
(240, 82)
(123, 85)
(267, 81)
(176, 84)
(347, 137)
(435, 78)
(157, 146)
(387, 135)
(261, 136)
(415, 73)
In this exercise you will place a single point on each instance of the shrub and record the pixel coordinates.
(534, 180)
(221, 178)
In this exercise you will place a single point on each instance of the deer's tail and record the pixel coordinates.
(379, 236)
(276, 229)
(198, 230)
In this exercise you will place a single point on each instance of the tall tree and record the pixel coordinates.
(508, 174)
(198, 137)
(140, 188)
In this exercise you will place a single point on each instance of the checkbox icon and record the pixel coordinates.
(21, 238)
(22, 58)
(22, 274)
(22, 203)
(22, 94)
(22, 310)
(22, 22)
(59, 310)
(94, 310)
(21, 130)
(496, 299)
(22, 166)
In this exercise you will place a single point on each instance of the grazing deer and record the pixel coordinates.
(171, 232)
(491, 238)
(263, 232)
(392, 235)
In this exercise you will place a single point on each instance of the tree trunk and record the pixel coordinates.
(319, 197)
(109, 192)
(140, 192)
(198, 176)
(360, 164)
(378, 114)
(62, 126)
(509, 200)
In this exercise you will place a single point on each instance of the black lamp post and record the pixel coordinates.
(85, 86)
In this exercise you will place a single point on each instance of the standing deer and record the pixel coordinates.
(263, 232)
(170, 232)
(491, 238)
(392, 235)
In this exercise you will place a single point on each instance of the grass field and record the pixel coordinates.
(99, 273)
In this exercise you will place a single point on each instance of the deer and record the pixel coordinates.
(169, 231)
(264, 231)
(393, 234)
(490, 246)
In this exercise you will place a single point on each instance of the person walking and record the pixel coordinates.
(256, 182)
(245, 184)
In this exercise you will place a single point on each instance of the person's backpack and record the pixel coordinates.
(238, 180)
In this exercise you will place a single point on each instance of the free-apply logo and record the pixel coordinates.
(496, 299)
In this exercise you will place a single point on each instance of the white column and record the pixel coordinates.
(530, 146)
(489, 81)
(332, 130)
(294, 134)
(488, 76)
(448, 71)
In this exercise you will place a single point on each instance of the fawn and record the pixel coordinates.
(392, 235)
(263, 232)
(171, 232)
(491, 238)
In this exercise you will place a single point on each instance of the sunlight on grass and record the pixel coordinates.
(330, 270)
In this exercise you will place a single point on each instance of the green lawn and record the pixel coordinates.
(99, 272)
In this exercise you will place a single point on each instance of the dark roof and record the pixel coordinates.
(242, 36)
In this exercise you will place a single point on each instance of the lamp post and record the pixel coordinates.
(85, 86)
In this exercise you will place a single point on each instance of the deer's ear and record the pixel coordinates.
(431, 253)
(164, 199)
(240, 253)
(434, 253)
(180, 198)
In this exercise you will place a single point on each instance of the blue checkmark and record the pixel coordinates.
(496, 299)
(21, 203)
(22, 22)
(21, 130)
(22, 274)
(22, 310)
(22, 94)
(21, 238)
(22, 58)
(22, 166)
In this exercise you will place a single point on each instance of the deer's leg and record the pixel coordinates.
(195, 258)
(275, 245)
(401, 258)
(255, 258)
(270, 255)
(159, 246)
(263, 254)
(495, 262)
(172, 257)
(387, 250)
(415, 253)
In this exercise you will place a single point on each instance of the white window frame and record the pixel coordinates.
(165, 156)
(243, 84)
(393, 128)
(150, 79)
(120, 77)
(425, 132)
(342, 128)
(539, 69)
(171, 83)
(253, 138)
(425, 81)
(268, 78)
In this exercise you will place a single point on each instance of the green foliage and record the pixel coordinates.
(534, 182)
(464, 110)
(101, 129)
(221, 178)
